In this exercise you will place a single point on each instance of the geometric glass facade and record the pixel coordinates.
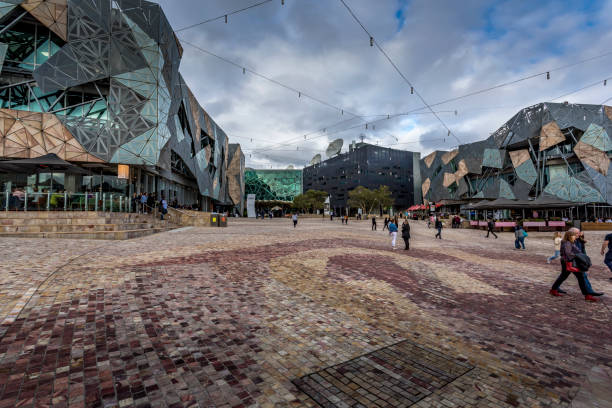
(282, 185)
(98, 83)
(555, 150)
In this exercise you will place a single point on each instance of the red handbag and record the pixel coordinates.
(569, 266)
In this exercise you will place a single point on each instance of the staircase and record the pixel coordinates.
(80, 225)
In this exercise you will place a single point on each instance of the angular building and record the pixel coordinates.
(369, 166)
(97, 83)
(553, 149)
(273, 184)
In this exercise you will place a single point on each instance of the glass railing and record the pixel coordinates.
(24, 201)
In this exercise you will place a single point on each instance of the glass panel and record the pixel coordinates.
(20, 98)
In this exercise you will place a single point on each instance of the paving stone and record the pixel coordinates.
(230, 317)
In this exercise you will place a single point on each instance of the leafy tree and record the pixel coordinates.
(383, 196)
(367, 200)
(316, 199)
(362, 197)
(311, 200)
(300, 202)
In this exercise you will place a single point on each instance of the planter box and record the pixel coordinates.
(556, 223)
(534, 223)
(505, 224)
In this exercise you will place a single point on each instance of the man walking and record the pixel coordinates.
(608, 255)
(294, 218)
(438, 225)
(374, 223)
(163, 204)
(490, 227)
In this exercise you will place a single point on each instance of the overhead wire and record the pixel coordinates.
(244, 69)
(223, 16)
(388, 116)
(379, 47)
(401, 74)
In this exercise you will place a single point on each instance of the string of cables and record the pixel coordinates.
(373, 42)
(401, 74)
(224, 15)
(467, 95)
(582, 88)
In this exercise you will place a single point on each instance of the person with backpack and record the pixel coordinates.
(519, 234)
(490, 228)
(438, 224)
(576, 262)
(393, 233)
(406, 234)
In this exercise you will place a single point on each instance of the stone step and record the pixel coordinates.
(88, 220)
(104, 235)
(91, 227)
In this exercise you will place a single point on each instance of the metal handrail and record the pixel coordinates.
(64, 201)
(182, 212)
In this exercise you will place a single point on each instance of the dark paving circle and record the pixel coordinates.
(399, 375)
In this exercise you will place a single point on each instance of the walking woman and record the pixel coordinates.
(393, 233)
(569, 251)
(406, 234)
(557, 242)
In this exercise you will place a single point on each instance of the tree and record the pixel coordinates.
(310, 200)
(362, 197)
(316, 199)
(383, 196)
(300, 202)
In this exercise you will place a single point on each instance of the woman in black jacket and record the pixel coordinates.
(406, 234)
(569, 250)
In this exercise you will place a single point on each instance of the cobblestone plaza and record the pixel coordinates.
(260, 314)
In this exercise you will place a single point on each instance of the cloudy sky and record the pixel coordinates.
(445, 49)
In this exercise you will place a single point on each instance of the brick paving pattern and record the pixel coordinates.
(232, 317)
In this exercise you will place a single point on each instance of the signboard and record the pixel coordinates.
(251, 205)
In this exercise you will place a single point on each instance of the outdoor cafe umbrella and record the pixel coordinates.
(44, 164)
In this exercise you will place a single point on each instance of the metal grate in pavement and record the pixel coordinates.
(394, 376)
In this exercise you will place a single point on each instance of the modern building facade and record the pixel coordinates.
(549, 149)
(97, 83)
(273, 184)
(369, 166)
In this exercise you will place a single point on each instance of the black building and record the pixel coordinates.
(369, 166)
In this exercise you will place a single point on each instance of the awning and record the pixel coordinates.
(542, 202)
(550, 201)
(43, 164)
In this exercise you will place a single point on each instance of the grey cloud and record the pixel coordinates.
(444, 48)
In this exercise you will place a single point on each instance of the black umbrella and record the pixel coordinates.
(43, 164)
